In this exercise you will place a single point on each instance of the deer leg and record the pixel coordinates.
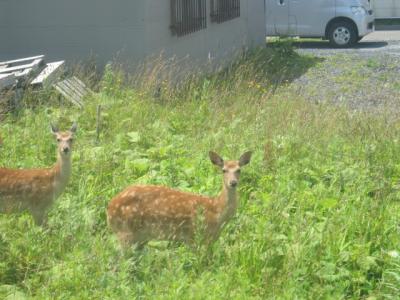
(140, 245)
(126, 238)
(39, 216)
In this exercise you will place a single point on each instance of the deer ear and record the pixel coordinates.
(54, 129)
(74, 127)
(245, 158)
(216, 159)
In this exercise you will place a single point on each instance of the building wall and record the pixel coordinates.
(72, 30)
(256, 22)
(387, 8)
(130, 30)
(215, 42)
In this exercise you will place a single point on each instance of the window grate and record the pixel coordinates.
(224, 10)
(188, 16)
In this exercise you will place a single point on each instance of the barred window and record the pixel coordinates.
(188, 16)
(224, 10)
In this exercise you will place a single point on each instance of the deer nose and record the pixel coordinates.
(233, 183)
(65, 150)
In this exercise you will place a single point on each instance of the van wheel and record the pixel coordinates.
(342, 34)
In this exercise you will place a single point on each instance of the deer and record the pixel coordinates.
(141, 213)
(35, 190)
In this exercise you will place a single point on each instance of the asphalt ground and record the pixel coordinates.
(378, 42)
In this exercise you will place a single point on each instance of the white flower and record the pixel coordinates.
(394, 254)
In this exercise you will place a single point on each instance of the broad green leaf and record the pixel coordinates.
(329, 203)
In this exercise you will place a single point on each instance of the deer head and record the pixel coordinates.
(64, 139)
(230, 168)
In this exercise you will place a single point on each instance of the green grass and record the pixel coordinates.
(319, 202)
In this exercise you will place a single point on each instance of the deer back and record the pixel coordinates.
(158, 212)
(23, 189)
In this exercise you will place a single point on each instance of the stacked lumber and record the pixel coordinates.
(19, 74)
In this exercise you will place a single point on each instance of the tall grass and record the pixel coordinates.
(319, 203)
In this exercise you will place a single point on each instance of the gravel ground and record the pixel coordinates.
(366, 77)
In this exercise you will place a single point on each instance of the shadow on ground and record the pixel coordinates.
(325, 45)
(278, 63)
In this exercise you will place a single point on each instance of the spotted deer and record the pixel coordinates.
(35, 190)
(144, 212)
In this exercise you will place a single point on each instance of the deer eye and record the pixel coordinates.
(58, 140)
(70, 140)
(224, 170)
(238, 171)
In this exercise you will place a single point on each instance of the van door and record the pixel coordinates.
(277, 14)
(311, 16)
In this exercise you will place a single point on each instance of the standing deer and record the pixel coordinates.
(144, 212)
(35, 190)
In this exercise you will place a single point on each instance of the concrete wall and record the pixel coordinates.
(72, 29)
(256, 22)
(213, 45)
(387, 8)
(215, 42)
(128, 29)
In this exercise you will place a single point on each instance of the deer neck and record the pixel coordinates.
(227, 204)
(62, 173)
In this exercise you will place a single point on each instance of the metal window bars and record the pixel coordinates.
(188, 16)
(224, 10)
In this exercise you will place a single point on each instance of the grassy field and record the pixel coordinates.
(319, 203)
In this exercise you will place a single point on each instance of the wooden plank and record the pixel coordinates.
(80, 85)
(68, 93)
(23, 73)
(34, 65)
(21, 60)
(61, 89)
(6, 80)
(49, 74)
(73, 88)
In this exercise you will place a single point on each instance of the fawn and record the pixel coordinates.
(144, 212)
(35, 190)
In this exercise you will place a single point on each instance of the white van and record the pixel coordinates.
(342, 22)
